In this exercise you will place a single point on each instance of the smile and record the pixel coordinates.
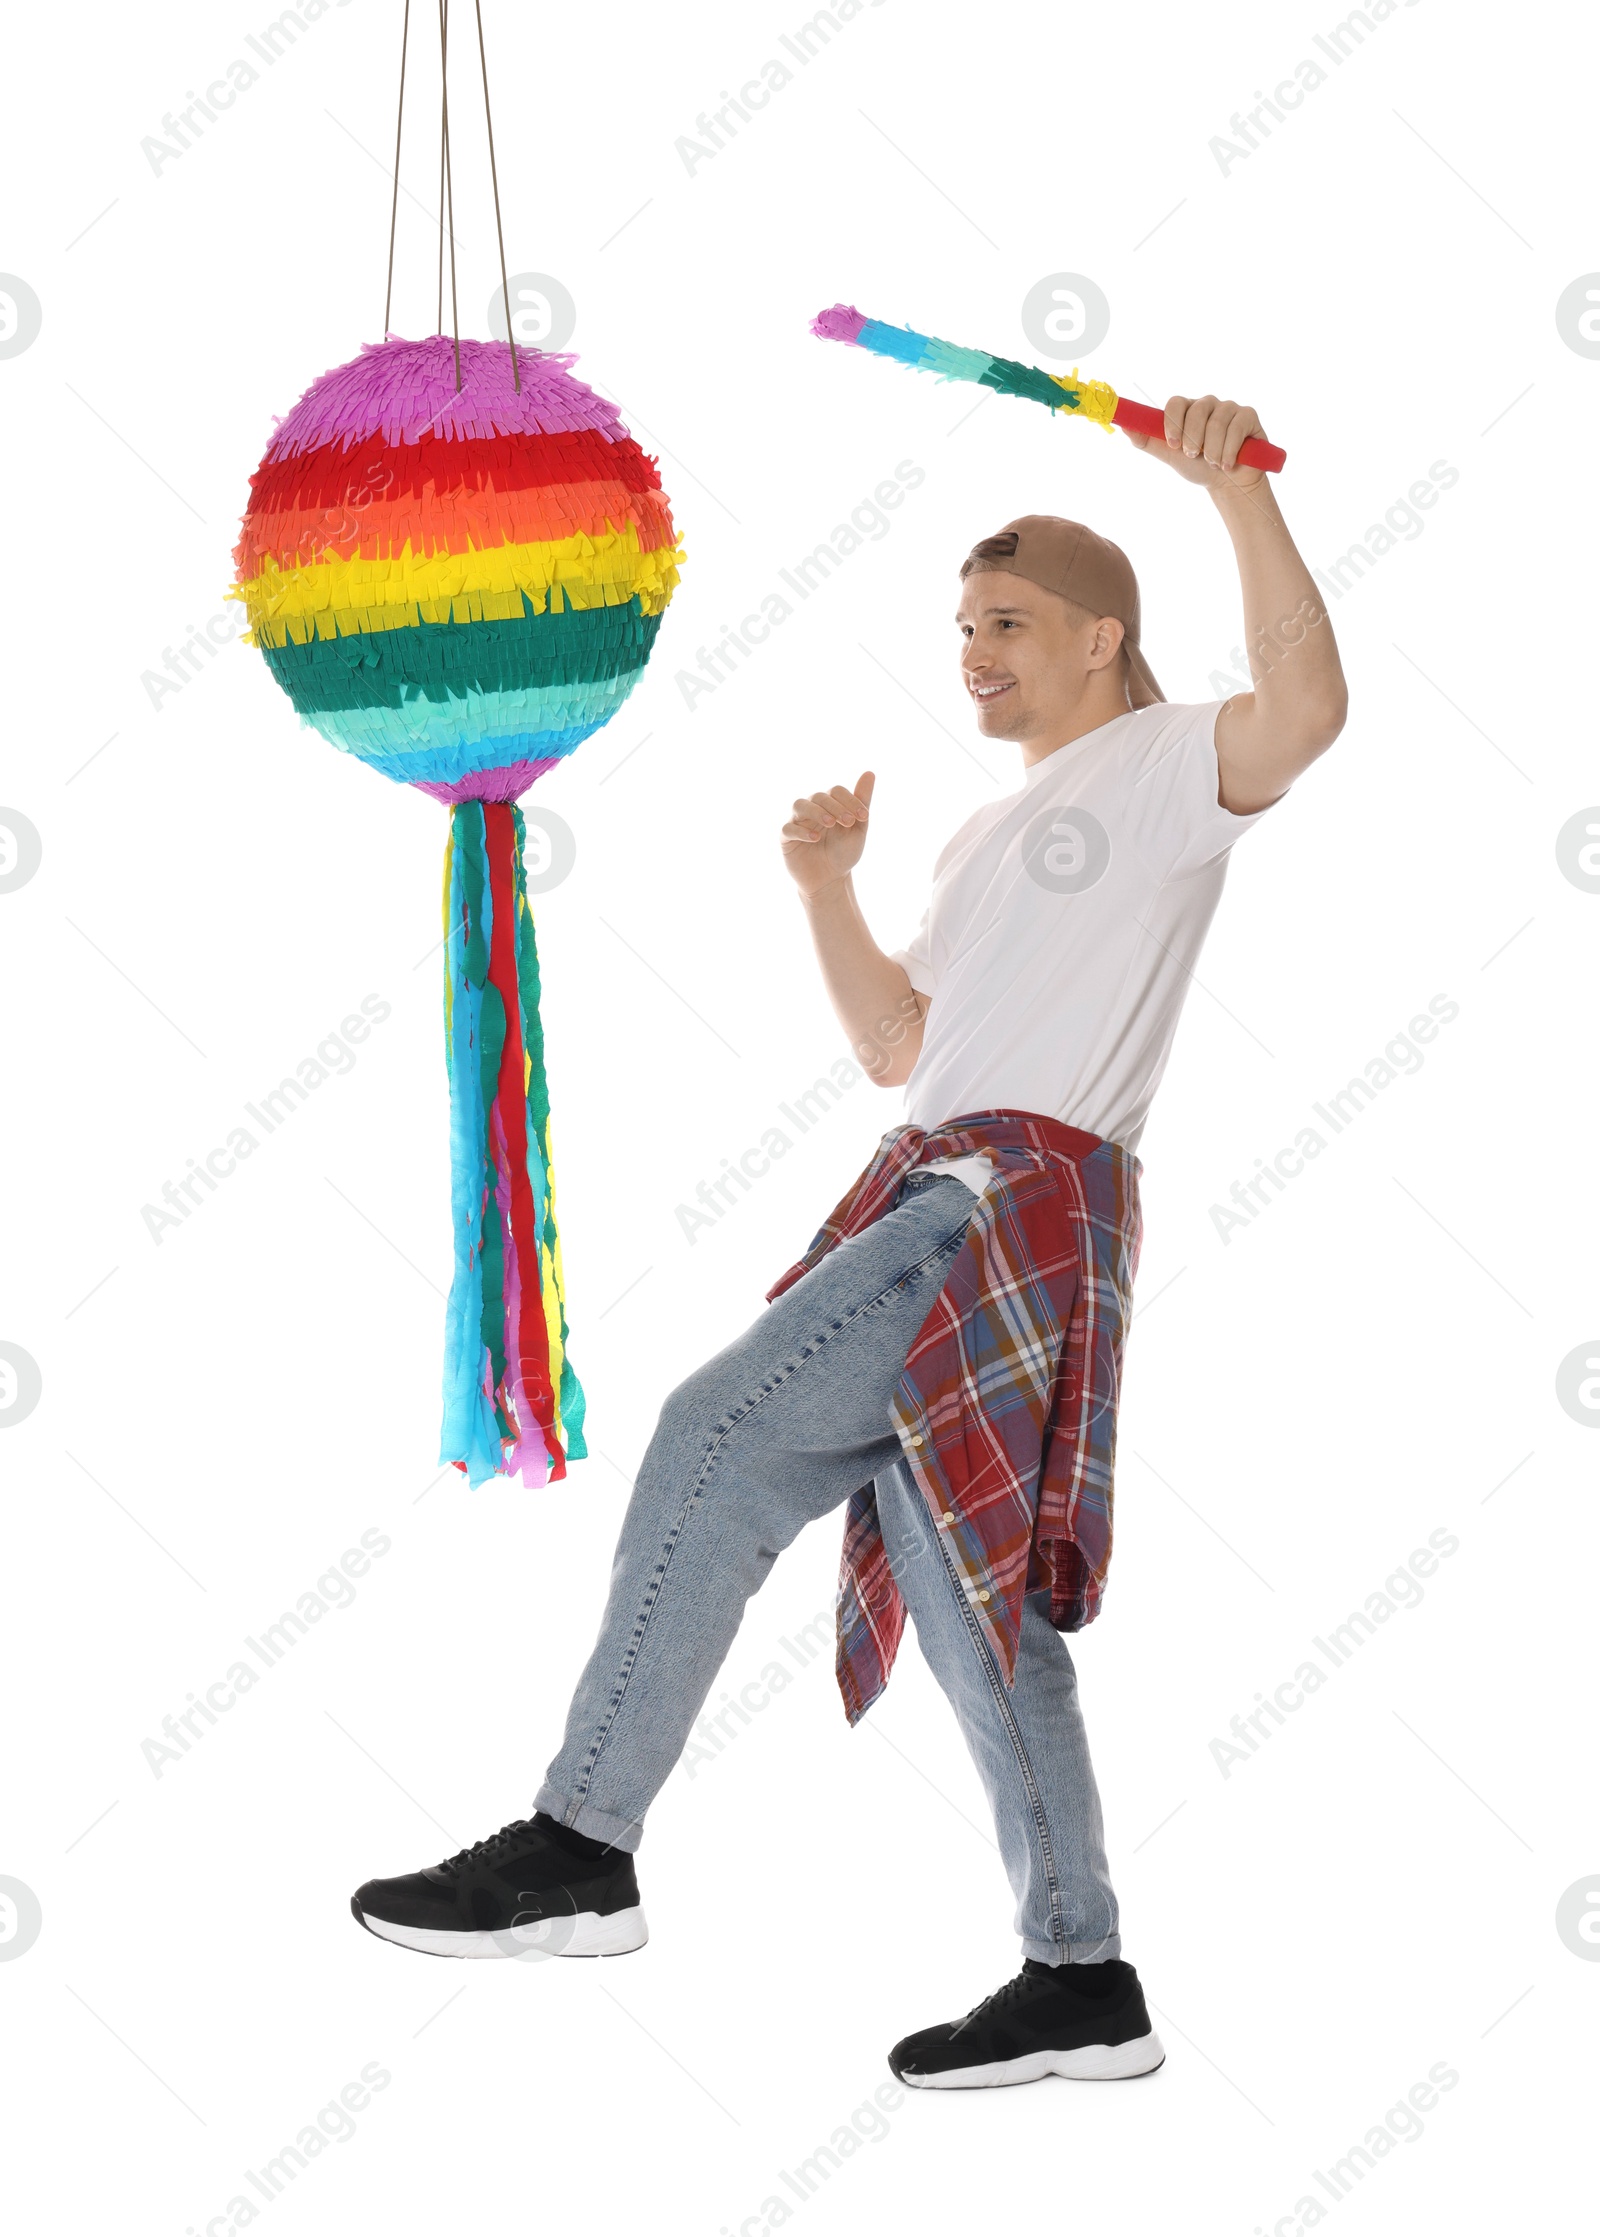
(983, 692)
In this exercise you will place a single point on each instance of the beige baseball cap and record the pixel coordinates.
(1071, 560)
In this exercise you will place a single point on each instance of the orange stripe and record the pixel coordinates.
(458, 521)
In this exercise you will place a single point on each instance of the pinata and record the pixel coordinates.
(458, 586)
(455, 559)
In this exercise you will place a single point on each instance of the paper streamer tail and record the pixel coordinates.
(512, 1404)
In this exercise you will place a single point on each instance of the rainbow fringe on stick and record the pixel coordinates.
(1058, 392)
(952, 363)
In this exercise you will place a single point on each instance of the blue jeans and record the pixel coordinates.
(775, 1431)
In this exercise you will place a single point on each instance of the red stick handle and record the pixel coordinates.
(1144, 419)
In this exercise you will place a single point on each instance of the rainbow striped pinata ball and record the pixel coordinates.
(456, 586)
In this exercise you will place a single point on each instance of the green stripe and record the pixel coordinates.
(433, 659)
(472, 856)
(1014, 379)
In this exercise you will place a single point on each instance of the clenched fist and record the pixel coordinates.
(1204, 435)
(823, 839)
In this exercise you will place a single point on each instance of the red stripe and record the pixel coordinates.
(372, 469)
(511, 1101)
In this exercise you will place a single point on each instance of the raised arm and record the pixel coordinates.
(872, 998)
(1267, 736)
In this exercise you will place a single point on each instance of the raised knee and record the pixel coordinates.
(690, 1412)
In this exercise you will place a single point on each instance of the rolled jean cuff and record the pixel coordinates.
(596, 1825)
(1050, 1953)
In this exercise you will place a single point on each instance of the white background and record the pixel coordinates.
(223, 1413)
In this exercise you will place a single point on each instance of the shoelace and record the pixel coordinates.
(507, 1837)
(997, 2000)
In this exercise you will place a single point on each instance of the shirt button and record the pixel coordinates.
(914, 1440)
(949, 1515)
(983, 1594)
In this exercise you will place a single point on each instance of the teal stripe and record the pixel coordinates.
(476, 728)
(1014, 379)
(435, 660)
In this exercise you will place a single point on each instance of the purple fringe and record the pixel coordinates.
(842, 324)
(509, 783)
(405, 390)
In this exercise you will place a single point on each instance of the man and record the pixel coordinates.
(945, 1356)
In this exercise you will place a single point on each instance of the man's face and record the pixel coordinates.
(1026, 659)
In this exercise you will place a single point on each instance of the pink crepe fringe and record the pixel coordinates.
(405, 390)
(529, 1456)
(508, 783)
(841, 324)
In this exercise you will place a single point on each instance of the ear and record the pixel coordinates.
(1106, 642)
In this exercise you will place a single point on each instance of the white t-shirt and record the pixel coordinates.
(1065, 923)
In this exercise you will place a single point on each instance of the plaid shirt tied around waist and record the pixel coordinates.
(1007, 1409)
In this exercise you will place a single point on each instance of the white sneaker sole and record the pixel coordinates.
(1095, 2062)
(584, 1934)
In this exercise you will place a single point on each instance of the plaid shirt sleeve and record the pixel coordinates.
(1006, 1410)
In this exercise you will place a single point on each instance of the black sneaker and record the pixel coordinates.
(1085, 2021)
(534, 1889)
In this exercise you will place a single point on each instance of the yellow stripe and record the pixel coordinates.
(551, 1286)
(343, 597)
(1097, 400)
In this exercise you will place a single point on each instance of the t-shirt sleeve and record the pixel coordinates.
(1173, 812)
(916, 960)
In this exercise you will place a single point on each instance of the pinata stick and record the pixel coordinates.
(1059, 392)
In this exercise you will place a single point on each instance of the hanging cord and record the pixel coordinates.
(449, 195)
(394, 206)
(438, 316)
(505, 291)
